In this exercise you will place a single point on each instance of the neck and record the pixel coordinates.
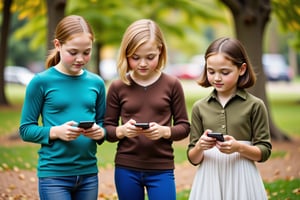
(147, 80)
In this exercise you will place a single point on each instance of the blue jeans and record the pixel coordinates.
(69, 187)
(130, 184)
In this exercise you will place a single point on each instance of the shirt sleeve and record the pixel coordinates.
(100, 108)
(29, 129)
(112, 114)
(181, 124)
(261, 130)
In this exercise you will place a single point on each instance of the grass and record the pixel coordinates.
(285, 111)
(283, 189)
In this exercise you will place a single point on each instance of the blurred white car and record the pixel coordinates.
(17, 74)
(108, 69)
(276, 67)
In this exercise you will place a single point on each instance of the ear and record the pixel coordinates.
(243, 69)
(57, 44)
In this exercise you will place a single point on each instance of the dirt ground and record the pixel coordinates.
(22, 185)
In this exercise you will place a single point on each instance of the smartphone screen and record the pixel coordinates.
(218, 136)
(142, 125)
(85, 124)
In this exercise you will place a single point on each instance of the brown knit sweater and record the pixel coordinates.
(162, 102)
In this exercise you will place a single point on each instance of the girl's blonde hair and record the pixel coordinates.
(65, 30)
(234, 51)
(137, 34)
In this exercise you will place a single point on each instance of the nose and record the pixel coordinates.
(143, 62)
(79, 57)
(218, 77)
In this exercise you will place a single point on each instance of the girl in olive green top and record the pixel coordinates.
(226, 169)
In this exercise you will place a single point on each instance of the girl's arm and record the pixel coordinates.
(196, 154)
(231, 145)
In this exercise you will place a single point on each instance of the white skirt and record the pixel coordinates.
(227, 177)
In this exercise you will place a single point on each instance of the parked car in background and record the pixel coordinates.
(17, 74)
(108, 69)
(276, 68)
(189, 70)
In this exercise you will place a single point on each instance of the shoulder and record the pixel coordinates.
(170, 80)
(117, 83)
(252, 102)
(201, 102)
(117, 86)
(94, 77)
(254, 99)
(43, 77)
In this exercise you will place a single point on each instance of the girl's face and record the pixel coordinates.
(144, 61)
(75, 53)
(222, 74)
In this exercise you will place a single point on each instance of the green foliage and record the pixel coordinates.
(283, 189)
(289, 21)
(183, 20)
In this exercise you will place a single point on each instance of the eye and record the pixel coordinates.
(87, 52)
(225, 72)
(135, 57)
(209, 71)
(73, 53)
(151, 57)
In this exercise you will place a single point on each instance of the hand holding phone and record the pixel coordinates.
(143, 125)
(218, 136)
(85, 124)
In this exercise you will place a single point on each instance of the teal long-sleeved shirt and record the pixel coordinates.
(58, 98)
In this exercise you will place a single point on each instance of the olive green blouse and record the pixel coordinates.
(244, 117)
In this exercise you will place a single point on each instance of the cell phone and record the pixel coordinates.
(85, 124)
(218, 136)
(143, 125)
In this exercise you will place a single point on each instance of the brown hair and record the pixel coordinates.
(137, 34)
(234, 51)
(64, 31)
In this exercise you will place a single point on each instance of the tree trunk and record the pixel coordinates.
(3, 49)
(250, 18)
(55, 11)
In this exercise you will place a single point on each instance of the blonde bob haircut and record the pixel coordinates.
(137, 34)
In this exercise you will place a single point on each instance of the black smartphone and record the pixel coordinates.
(143, 125)
(218, 136)
(85, 124)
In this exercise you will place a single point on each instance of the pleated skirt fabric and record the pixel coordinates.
(227, 177)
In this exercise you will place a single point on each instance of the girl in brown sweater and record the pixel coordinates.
(144, 157)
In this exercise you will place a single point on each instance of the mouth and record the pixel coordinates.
(218, 85)
(78, 65)
(143, 69)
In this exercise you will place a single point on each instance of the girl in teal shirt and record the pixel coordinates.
(63, 95)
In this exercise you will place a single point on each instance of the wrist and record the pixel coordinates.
(119, 132)
(53, 134)
(167, 133)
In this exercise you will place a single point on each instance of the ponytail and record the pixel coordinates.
(52, 59)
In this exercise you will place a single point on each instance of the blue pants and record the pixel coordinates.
(131, 184)
(69, 187)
